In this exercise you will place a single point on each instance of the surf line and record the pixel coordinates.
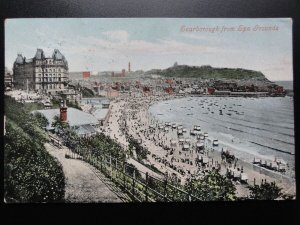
(278, 150)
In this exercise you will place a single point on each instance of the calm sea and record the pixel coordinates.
(286, 84)
(262, 127)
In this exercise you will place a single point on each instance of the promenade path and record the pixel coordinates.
(84, 184)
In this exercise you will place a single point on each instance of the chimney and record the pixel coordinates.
(63, 111)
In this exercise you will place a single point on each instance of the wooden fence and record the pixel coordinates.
(140, 186)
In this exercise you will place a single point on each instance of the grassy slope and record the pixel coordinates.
(30, 173)
(207, 72)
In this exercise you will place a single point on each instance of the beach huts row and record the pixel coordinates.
(237, 175)
(277, 165)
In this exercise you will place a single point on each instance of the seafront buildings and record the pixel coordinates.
(41, 73)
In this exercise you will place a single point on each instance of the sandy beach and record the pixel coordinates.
(131, 116)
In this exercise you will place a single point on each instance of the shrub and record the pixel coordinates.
(212, 187)
(31, 174)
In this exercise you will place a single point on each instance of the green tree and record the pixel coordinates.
(41, 119)
(265, 191)
(212, 187)
(59, 124)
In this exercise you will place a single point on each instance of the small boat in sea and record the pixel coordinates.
(184, 130)
(192, 132)
(215, 142)
(205, 134)
(174, 126)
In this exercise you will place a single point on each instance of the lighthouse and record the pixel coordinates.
(129, 68)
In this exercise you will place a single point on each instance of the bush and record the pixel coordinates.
(265, 191)
(30, 173)
(212, 187)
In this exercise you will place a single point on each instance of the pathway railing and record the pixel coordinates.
(140, 186)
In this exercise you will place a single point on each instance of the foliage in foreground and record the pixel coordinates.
(265, 191)
(141, 152)
(30, 173)
(212, 187)
(96, 145)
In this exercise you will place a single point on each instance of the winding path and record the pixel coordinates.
(83, 184)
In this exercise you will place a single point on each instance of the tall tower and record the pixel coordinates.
(63, 111)
(129, 68)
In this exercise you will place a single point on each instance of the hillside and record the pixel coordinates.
(208, 72)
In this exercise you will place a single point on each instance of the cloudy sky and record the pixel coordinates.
(148, 43)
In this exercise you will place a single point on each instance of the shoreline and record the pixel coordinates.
(241, 147)
(140, 129)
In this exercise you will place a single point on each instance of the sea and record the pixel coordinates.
(250, 127)
(286, 84)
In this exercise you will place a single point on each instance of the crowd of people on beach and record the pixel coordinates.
(130, 117)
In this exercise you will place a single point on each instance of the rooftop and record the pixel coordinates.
(75, 117)
(100, 114)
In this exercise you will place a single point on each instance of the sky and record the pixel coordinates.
(107, 44)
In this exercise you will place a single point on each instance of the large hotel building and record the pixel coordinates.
(40, 73)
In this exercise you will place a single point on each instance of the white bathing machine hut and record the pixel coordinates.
(197, 128)
(197, 132)
(203, 159)
(192, 132)
(185, 147)
(173, 143)
(179, 132)
(181, 140)
(199, 146)
(187, 140)
(168, 124)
